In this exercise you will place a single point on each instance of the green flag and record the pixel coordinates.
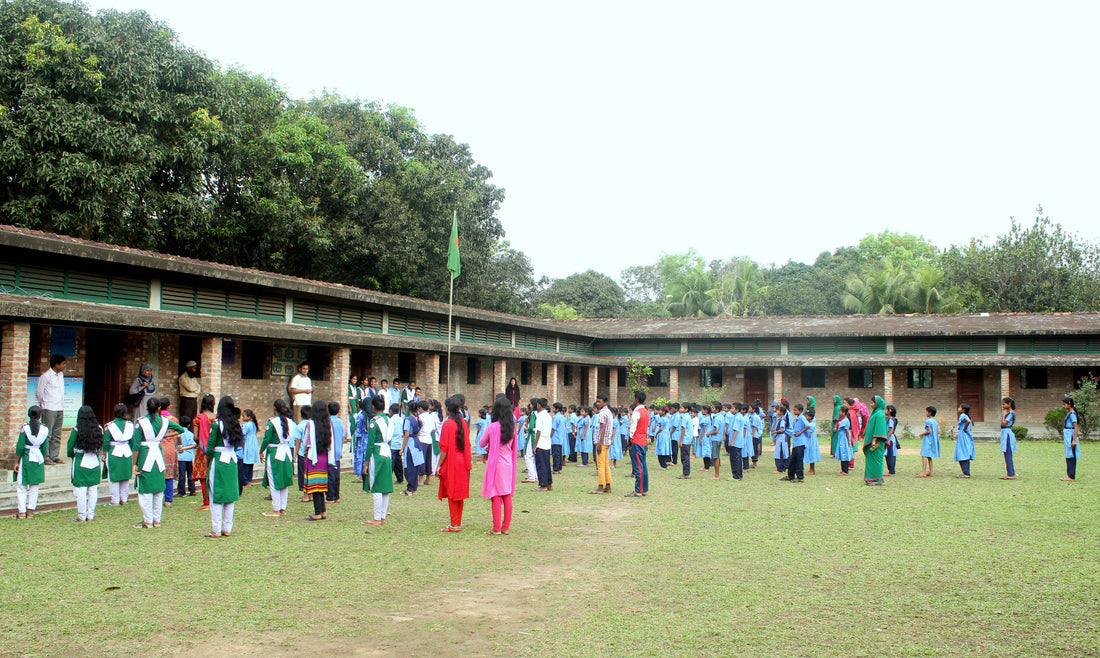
(454, 264)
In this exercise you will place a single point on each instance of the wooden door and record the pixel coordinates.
(971, 391)
(756, 385)
(102, 369)
(584, 386)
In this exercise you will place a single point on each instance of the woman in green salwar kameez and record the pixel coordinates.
(874, 444)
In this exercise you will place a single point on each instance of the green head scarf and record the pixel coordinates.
(837, 403)
(811, 400)
(876, 426)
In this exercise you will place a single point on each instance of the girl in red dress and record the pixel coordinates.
(455, 462)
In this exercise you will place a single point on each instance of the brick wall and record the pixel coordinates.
(14, 353)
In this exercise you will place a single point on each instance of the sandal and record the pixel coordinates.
(315, 518)
(212, 535)
(271, 513)
(505, 532)
(20, 515)
(493, 532)
(140, 526)
(227, 534)
(450, 528)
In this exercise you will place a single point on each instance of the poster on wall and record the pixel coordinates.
(74, 398)
(285, 360)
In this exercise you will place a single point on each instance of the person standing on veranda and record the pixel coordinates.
(190, 389)
(50, 394)
(604, 436)
(301, 391)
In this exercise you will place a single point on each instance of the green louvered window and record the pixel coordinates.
(72, 285)
(192, 299)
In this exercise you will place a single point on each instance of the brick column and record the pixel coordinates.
(341, 372)
(500, 377)
(1004, 384)
(212, 366)
(888, 385)
(593, 383)
(15, 345)
(429, 378)
(613, 390)
(777, 383)
(673, 384)
(552, 382)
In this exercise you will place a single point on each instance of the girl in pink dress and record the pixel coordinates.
(500, 470)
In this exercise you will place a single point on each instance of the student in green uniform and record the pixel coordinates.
(30, 465)
(118, 454)
(276, 452)
(226, 436)
(85, 442)
(150, 467)
(378, 478)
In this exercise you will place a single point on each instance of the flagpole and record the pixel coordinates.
(450, 308)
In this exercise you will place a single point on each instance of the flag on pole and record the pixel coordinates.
(454, 264)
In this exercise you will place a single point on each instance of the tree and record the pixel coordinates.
(1031, 269)
(688, 294)
(901, 248)
(879, 290)
(637, 376)
(592, 294)
(738, 288)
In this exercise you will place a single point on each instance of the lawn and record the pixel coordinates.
(923, 567)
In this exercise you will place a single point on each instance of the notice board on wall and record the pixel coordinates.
(285, 360)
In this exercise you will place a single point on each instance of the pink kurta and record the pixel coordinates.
(500, 469)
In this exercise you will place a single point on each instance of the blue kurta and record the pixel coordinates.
(964, 445)
(844, 441)
(481, 424)
(617, 433)
(584, 434)
(1072, 451)
(813, 449)
(664, 439)
(702, 441)
(930, 443)
(1008, 437)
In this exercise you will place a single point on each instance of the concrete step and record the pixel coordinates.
(56, 490)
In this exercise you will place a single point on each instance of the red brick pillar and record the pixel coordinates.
(429, 384)
(673, 384)
(1005, 389)
(613, 390)
(552, 382)
(341, 372)
(500, 377)
(888, 385)
(212, 367)
(777, 383)
(593, 382)
(15, 344)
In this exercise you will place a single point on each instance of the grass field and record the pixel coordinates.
(699, 568)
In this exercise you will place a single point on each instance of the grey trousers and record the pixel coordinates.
(53, 420)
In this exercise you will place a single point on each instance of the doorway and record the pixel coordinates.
(971, 391)
(756, 385)
(584, 385)
(102, 370)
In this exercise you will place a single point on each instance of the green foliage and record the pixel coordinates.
(660, 402)
(559, 311)
(1087, 400)
(901, 248)
(1020, 431)
(1030, 269)
(592, 294)
(710, 395)
(1054, 421)
(637, 376)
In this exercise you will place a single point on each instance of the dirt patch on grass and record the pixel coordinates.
(480, 614)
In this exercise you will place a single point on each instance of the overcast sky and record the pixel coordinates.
(773, 130)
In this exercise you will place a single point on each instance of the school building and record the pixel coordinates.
(110, 309)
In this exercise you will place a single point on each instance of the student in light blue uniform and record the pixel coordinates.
(964, 444)
(559, 437)
(397, 432)
(892, 443)
(619, 433)
(756, 422)
(481, 424)
(584, 435)
(674, 424)
(411, 453)
(574, 419)
(1008, 437)
(702, 441)
(844, 453)
(663, 449)
(930, 442)
(714, 435)
(687, 439)
(339, 433)
(186, 458)
(736, 437)
(1071, 439)
(798, 431)
(782, 452)
(813, 448)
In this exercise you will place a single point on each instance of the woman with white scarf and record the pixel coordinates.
(226, 436)
(30, 465)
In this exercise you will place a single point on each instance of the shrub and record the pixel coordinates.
(1020, 431)
(1054, 421)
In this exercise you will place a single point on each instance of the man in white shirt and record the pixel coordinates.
(50, 394)
(301, 391)
(386, 392)
(542, 445)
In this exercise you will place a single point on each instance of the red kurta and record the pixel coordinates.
(454, 472)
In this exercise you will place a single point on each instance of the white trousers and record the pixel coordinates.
(152, 504)
(26, 496)
(381, 506)
(279, 497)
(86, 498)
(529, 457)
(221, 516)
(120, 492)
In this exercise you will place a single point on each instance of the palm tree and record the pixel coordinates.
(688, 294)
(929, 295)
(738, 292)
(880, 289)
